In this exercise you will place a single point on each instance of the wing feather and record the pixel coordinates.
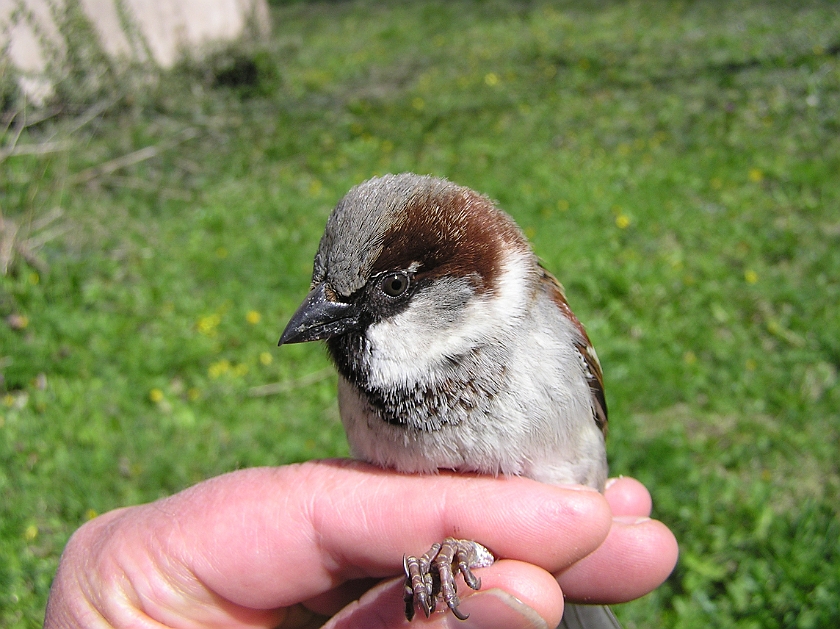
(589, 359)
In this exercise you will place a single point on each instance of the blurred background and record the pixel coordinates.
(676, 164)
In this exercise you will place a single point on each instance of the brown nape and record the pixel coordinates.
(454, 232)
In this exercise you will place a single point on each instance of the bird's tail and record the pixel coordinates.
(588, 617)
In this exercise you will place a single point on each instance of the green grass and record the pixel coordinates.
(674, 163)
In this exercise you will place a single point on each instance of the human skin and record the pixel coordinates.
(323, 541)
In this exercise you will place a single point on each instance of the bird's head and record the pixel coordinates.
(412, 269)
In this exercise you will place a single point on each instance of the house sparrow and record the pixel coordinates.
(455, 350)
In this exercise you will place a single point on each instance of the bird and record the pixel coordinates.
(455, 350)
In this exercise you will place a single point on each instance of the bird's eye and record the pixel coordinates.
(395, 284)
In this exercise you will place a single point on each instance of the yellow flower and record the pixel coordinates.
(266, 358)
(217, 369)
(90, 514)
(622, 221)
(751, 276)
(253, 317)
(30, 533)
(207, 325)
(240, 370)
(491, 79)
(756, 175)
(156, 395)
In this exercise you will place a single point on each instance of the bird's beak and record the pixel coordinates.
(320, 317)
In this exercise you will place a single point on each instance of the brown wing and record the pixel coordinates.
(586, 353)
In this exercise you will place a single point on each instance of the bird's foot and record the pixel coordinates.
(432, 575)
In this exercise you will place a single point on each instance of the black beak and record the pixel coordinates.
(319, 317)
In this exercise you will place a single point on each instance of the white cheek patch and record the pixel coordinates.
(410, 346)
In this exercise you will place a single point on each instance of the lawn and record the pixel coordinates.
(675, 164)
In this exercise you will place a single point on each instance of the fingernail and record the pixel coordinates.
(494, 608)
(577, 487)
(630, 519)
(612, 481)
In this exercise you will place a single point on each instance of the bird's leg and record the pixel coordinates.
(454, 553)
(420, 586)
(433, 574)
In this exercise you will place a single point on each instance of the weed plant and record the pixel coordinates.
(674, 163)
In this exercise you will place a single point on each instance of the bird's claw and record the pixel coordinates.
(432, 575)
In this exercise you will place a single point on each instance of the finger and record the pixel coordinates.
(111, 575)
(330, 602)
(627, 496)
(513, 595)
(637, 556)
(292, 533)
(240, 549)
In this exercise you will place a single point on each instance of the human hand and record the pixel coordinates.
(304, 545)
